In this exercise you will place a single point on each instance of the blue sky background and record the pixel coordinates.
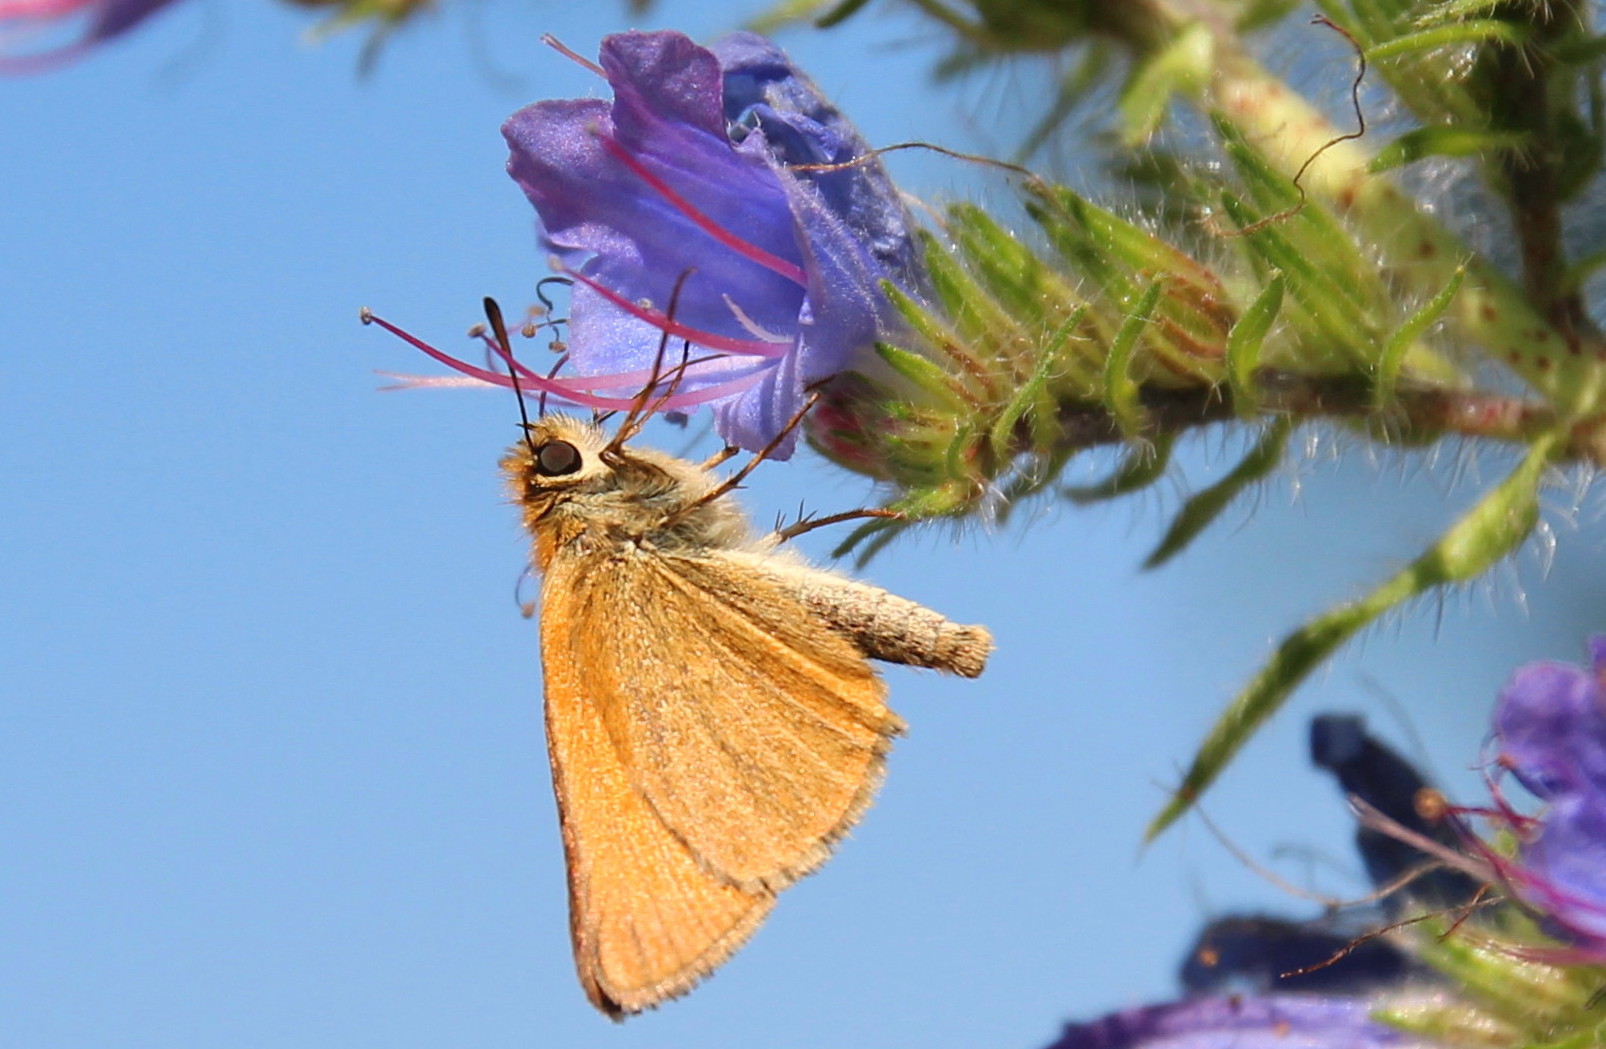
(271, 765)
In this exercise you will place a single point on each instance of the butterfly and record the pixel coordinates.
(713, 721)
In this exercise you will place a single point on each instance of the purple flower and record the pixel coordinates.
(24, 22)
(686, 179)
(1369, 770)
(1289, 1021)
(1254, 954)
(1550, 725)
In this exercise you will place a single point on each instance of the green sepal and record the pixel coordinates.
(1041, 472)
(1456, 34)
(1006, 267)
(1103, 247)
(1203, 508)
(1120, 388)
(1182, 65)
(1453, 10)
(1310, 223)
(878, 533)
(1032, 399)
(959, 294)
(1442, 142)
(924, 374)
(1339, 321)
(1399, 344)
(1244, 342)
(1491, 530)
(1144, 464)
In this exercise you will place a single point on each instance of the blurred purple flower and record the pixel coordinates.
(91, 23)
(1369, 770)
(1550, 725)
(686, 178)
(1287, 1021)
(1256, 954)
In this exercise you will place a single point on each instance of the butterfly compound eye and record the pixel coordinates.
(556, 458)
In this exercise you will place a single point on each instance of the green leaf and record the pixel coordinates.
(1494, 528)
(1199, 511)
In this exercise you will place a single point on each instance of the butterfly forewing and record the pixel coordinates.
(754, 733)
(648, 921)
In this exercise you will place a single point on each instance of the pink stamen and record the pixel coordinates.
(752, 252)
(408, 381)
(572, 390)
(555, 387)
(694, 398)
(40, 8)
(661, 321)
(633, 381)
(1503, 808)
(1546, 895)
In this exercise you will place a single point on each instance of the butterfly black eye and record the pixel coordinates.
(556, 458)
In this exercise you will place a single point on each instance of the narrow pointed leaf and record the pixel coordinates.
(1145, 463)
(1198, 512)
(1491, 530)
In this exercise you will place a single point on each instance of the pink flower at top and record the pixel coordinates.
(36, 35)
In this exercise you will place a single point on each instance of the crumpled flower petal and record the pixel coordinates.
(647, 201)
(764, 90)
(1550, 725)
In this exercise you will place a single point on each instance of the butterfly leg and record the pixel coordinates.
(808, 524)
(728, 484)
(720, 458)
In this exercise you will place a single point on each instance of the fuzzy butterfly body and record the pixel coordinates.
(713, 722)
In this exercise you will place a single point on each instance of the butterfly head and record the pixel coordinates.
(576, 485)
(559, 454)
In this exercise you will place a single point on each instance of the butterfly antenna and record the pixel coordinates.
(493, 313)
(540, 402)
(645, 403)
